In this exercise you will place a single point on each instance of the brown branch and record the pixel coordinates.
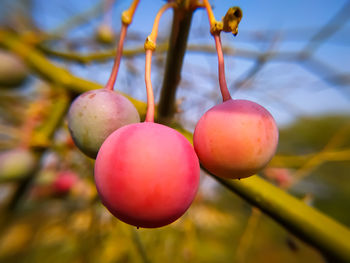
(176, 52)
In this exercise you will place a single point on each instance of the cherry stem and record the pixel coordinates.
(150, 45)
(149, 89)
(112, 79)
(129, 14)
(221, 65)
(126, 21)
(153, 35)
(211, 16)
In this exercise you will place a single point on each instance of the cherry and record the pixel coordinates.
(64, 182)
(96, 114)
(147, 174)
(235, 139)
(282, 176)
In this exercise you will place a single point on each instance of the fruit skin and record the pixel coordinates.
(96, 114)
(12, 70)
(147, 174)
(235, 139)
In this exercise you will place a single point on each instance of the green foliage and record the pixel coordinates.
(328, 181)
(310, 135)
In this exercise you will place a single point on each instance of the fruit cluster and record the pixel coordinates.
(147, 174)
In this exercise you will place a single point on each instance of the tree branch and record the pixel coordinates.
(176, 52)
(49, 71)
(319, 230)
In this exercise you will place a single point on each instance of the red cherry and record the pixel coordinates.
(147, 174)
(64, 182)
(235, 139)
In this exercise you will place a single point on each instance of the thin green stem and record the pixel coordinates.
(139, 245)
(248, 235)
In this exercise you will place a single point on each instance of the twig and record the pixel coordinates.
(79, 19)
(176, 52)
(139, 246)
(49, 71)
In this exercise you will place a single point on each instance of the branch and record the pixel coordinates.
(49, 71)
(176, 52)
(313, 65)
(83, 17)
(319, 230)
(294, 161)
(99, 56)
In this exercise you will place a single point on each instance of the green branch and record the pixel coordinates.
(43, 133)
(319, 230)
(102, 56)
(51, 72)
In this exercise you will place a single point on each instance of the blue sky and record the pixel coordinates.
(287, 89)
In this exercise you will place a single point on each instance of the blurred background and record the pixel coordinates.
(291, 57)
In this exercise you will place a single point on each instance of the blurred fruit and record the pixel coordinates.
(16, 163)
(64, 182)
(282, 176)
(13, 71)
